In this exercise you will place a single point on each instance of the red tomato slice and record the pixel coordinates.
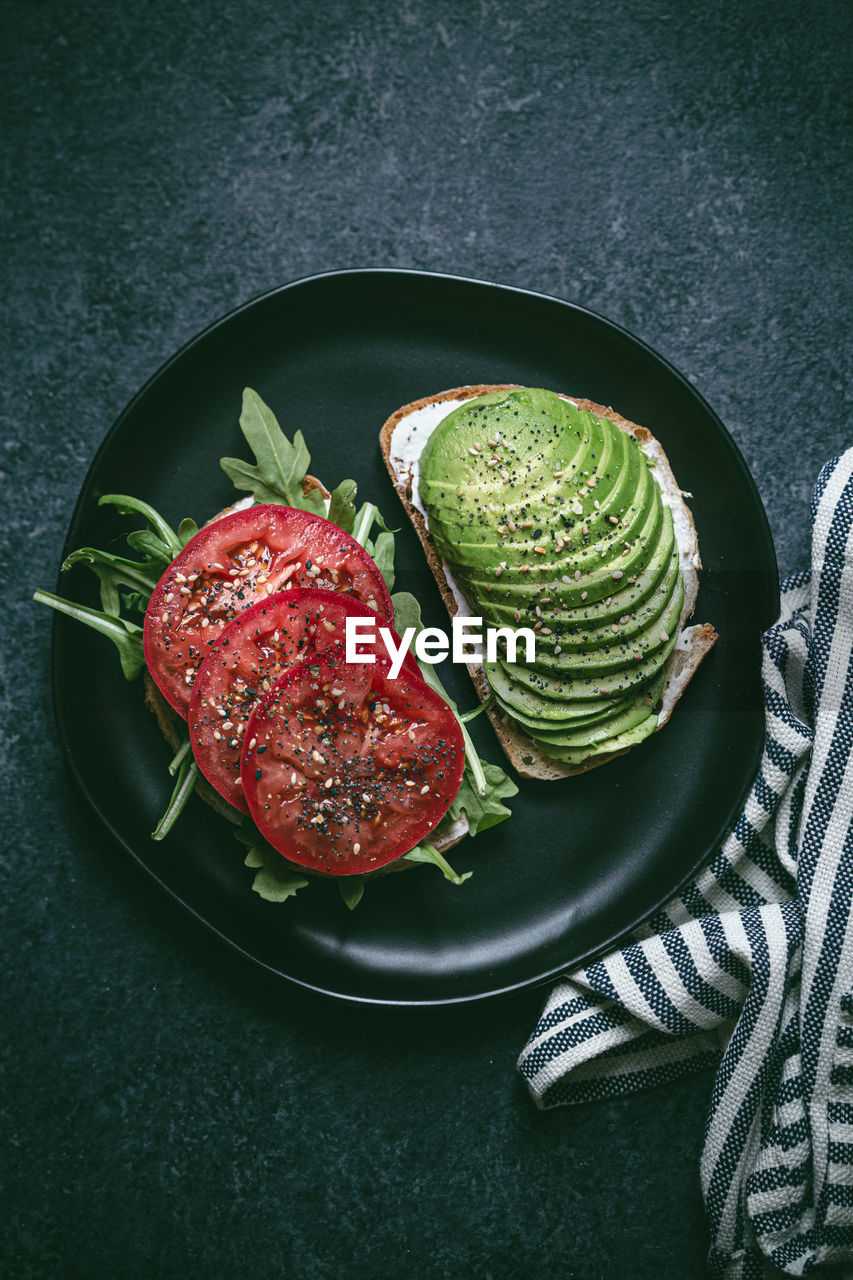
(345, 769)
(231, 564)
(249, 656)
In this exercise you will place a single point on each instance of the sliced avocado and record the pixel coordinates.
(551, 517)
(579, 755)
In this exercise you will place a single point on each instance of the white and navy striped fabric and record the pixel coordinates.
(751, 968)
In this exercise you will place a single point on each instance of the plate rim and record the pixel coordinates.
(770, 605)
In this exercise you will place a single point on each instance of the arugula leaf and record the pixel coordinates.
(164, 538)
(428, 853)
(187, 530)
(484, 811)
(342, 505)
(114, 572)
(273, 881)
(352, 890)
(485, 785)
(382, 551)
(281, 466)
(407, 613)
(135, 600)
(187, 776)
(147, 543)
(126, 636)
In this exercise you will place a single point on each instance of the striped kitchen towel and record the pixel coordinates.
(754, 961)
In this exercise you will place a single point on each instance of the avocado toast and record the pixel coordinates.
(560, 515)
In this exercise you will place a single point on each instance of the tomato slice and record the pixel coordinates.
(231, 564)
(248, 657)
(345, 769)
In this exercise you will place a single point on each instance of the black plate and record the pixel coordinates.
(579, 863)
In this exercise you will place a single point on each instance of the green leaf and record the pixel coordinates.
(484, 706)
(274, 881)
(126, 636)
(280, 466)
(188, 773)
(484, 811)
(114, 572)
(427, 853)
(342, 505)
(352, 890)
(150, 544)
(382, 551)
(179, 756)
(407, 613)
(135, 600)
(129, 506)
(187, 530)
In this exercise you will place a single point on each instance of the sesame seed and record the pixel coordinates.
(356, 847)
(617, 574)
(424, 789)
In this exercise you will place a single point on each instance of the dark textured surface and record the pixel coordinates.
(680, 168)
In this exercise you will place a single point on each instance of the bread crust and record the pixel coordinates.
(695, 642)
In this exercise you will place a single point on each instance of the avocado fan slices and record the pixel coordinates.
(550, 517)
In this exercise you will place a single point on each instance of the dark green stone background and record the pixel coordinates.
(167, 1111)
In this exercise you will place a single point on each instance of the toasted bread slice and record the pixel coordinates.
(694, 642)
